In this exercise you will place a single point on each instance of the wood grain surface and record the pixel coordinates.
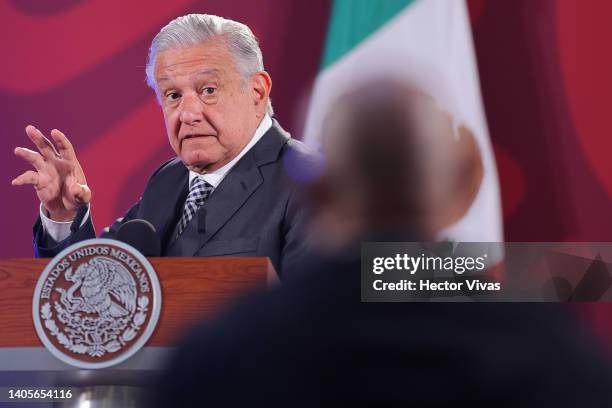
(192, 289)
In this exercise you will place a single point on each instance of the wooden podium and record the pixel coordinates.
(192, 289)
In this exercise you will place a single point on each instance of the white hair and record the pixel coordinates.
(195, 29)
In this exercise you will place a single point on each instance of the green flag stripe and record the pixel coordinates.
(351, 21)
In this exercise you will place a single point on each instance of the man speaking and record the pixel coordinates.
(229, 191)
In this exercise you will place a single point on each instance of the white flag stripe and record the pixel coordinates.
(429, 43)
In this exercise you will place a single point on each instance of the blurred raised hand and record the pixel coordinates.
(57, 177)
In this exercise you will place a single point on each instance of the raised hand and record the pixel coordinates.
(57, 177)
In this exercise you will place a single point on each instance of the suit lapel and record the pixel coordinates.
(165, 200)
(241, 182)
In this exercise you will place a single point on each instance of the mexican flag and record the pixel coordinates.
(429, 43)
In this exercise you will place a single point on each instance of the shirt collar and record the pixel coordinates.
(214, 178)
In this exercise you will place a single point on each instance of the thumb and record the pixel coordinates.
(81, 193)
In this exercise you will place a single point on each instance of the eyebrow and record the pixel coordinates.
(213, 71)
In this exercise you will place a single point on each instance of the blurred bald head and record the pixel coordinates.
(396, 162)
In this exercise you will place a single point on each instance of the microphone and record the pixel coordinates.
(141, 235)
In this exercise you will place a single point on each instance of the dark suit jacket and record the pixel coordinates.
(255, 211)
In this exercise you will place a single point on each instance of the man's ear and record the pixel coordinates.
(261, 84)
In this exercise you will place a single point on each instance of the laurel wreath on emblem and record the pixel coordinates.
(105, 317)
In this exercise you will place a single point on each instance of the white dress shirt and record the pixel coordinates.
(61, 230)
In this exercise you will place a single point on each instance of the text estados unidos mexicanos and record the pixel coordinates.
(413, 264)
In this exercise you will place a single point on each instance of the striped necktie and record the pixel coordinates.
(199, 190)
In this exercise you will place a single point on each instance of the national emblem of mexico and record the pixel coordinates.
(96, 303)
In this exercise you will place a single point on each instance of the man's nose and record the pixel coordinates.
(191, 110)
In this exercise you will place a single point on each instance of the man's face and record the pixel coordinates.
(210, 112)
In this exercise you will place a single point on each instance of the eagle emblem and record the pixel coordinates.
(96, 303)
(106, 286)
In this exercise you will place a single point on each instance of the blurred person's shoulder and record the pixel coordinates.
(315, 325)
(301, 162)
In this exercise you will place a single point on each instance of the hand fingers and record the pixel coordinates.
(34, 158)
(81, 193)
(29, 177)
(44, 145)
(65, 147)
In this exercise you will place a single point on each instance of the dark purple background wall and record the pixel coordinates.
(545, 75)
